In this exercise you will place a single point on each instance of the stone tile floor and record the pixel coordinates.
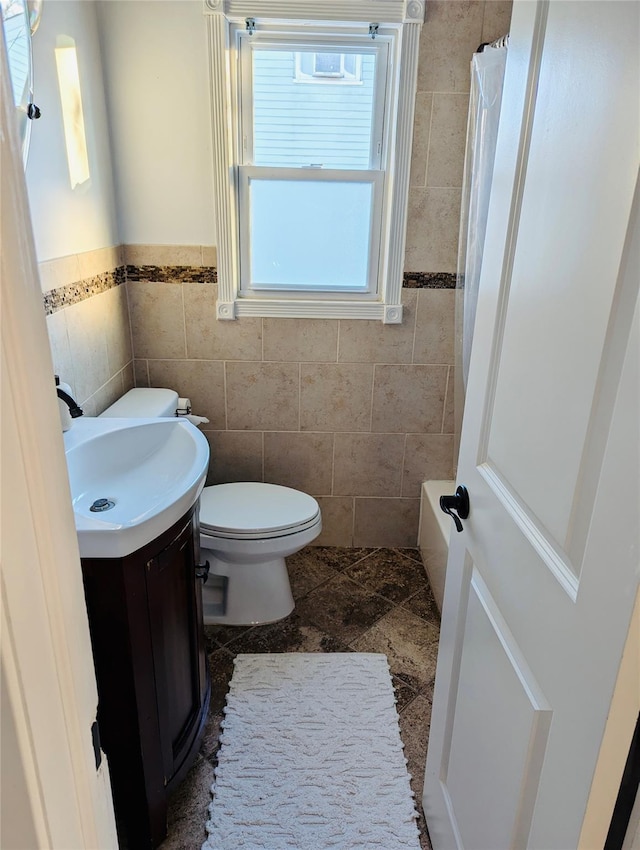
(347, 600)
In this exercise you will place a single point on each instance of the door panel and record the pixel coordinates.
(565, 260)
(550, 553)
(171, 586)
(499, 732)
(541, 583)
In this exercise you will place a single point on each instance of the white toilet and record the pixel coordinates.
(247, 530)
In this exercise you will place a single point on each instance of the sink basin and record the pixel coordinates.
(152, 470)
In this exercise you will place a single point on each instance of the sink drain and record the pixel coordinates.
(102, 505)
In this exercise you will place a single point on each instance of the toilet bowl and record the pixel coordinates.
(247, 530)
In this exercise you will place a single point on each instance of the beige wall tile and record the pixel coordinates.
(300, 460)
(65, 270)
(60, 347)
(99, 261)
(235, 456)
(200, 319)
(115, 307)
(91, 348)
(450, 35)
(448, 421)
(409, 399)
(209, 255)
(209, 339)
(88, 345)
(157, 319)
(426, 457)
(448, 139)
(237, 340)
(141, 373)
(497, 19)
(108, 393)
(335, 397)
(301, 340)
(128, 378)
(163, 255)
(337, 521)
(59, 272)
(89, 406)
(200, 380)
(420, 144)
(364, 341)
(435, 326)
(368, 464)
(139, 255)
(386, 522)
(262, 396)
(432, 230)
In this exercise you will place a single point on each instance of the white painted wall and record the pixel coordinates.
(156, 71)
(67, 221)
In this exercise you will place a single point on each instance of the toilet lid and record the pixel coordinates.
(251, 508)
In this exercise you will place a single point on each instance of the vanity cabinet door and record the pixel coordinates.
(175, 617)
(145, 618)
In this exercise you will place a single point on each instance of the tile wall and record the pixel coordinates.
(356, 413)
(88, 324)
(452, 31)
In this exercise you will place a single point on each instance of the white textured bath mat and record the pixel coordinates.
(311, 757)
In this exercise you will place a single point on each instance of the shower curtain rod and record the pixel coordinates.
(503, 41)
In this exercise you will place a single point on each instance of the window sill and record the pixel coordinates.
(389, 314)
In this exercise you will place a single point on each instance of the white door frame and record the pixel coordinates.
(53, 796)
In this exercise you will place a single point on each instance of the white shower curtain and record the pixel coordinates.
(487, 75)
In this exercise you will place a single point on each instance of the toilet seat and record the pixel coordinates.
(255, 511)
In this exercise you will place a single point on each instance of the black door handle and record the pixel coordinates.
(456, 506)
(202, 571)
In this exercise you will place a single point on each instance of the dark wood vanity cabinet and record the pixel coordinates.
(145, 618)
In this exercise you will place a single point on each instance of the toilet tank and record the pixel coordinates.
(144, 402)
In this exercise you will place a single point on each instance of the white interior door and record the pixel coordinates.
(542, 581)
(54, 797)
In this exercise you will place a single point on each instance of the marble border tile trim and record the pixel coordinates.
(429, 280)
(173, 274)
(73, 293)
(65, 296)
(209, 274)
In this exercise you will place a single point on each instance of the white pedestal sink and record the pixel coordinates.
(152, 470)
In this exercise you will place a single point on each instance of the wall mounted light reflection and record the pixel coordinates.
(72, 116)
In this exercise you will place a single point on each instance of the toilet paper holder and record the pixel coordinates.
(184, 409)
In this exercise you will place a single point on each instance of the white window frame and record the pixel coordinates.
(402, 23)
(374, 175)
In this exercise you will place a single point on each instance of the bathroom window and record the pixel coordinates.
(313, 204)
(311, 167)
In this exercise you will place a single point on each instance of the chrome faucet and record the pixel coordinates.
(74, 409)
